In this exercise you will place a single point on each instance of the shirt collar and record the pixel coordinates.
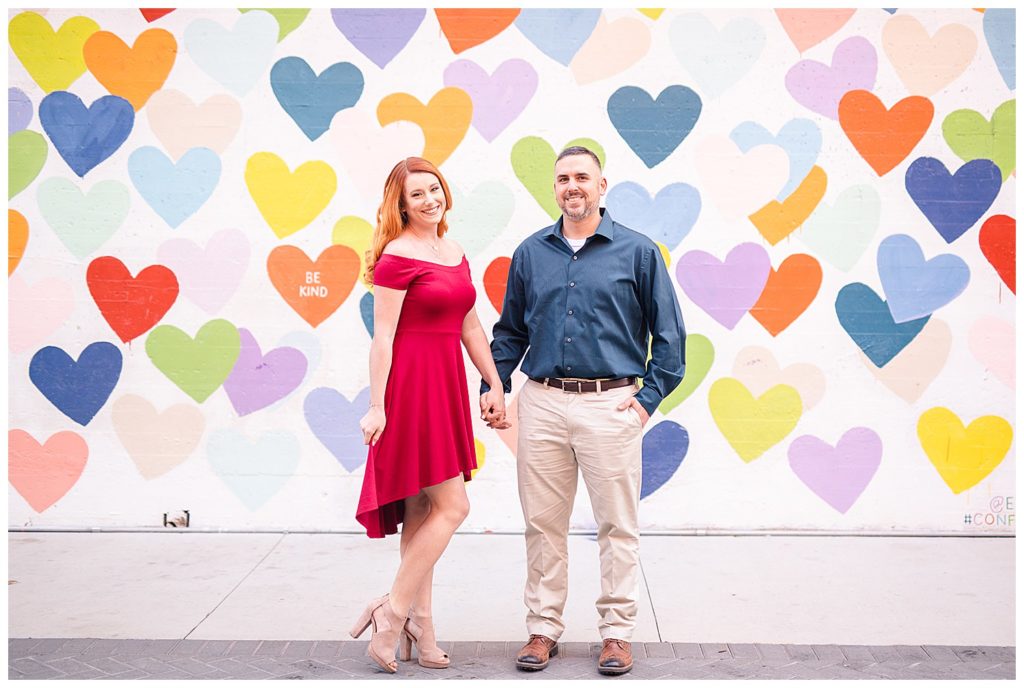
(606, 228)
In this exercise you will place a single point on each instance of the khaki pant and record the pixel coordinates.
(560, 432)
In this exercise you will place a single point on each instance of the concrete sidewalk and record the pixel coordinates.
(193, 604)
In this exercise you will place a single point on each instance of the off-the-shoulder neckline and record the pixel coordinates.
(428, 262)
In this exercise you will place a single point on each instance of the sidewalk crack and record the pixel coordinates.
(654, 611)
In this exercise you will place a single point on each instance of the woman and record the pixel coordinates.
(417, 466)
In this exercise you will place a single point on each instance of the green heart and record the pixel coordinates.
(83, 221)
(533, 160)
(700, 354)
(972, 137)
(287, 19)
(26, 154)
(198, 367)
(477, 218)
(841, 233)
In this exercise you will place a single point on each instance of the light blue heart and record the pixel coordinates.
(174, 190)
(236, 58)
(83, 221)
(915, 287)
(479, 217)
(311, 100)
(840, 233)
(800, 138)
(253, 471)
(560, 33)
(716, 58)
(668, 217)
(998, 24)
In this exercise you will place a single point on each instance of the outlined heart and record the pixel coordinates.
(174, 190)
(666, 218)
(258, 380)
(926, 64)
(85, 136)
(953, 203)
(312, 100)
(466, 28)
(78, 389)
(156, 442)
(334, 421)
(52, 58)
(654, 127)
(196, 366)
(915, 287)
(727, 289)
(884, 137)
(807, 28)
(700, 354)
(43, 473)
(26, 154)
(498, 98)
(973, 137)
(180, 124)
(17, 239)
(663, 449)
(868, 321)
(313, 289)
(533, 160)
(130, 305)
(379, 34)
(840, 474)
(998, 241)
(445, 119)
(496, 280)
(820, 87)
(289, 201)
(133, 73)
(778, 219)
(209, 275)
(752, 425)
(787, 293)
(963, 456)
(83, 221)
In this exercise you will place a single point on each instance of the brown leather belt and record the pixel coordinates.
(577, 386)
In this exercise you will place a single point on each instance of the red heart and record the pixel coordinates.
(131, 305)
(495, 281)
(152, 15)
(884, 138)
(998, 239)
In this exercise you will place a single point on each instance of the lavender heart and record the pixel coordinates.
(257, 381)
(19, 110)
(380, 34)
(497, 98)
(838, 475)
(334, 421)
(820, 87)
(725, 290)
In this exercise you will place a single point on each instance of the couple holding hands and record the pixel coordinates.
(585, 298)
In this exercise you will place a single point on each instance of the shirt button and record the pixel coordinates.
(569, 339)
(570, 311)
(572, 284)
(568, 367)
(575, 257)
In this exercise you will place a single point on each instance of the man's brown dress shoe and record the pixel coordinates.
(616, 657)
(536, 654)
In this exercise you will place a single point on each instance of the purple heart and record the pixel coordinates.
(837, 475)
(19, 110)
(257, 381)
(497, 99)
(820, 87)
(334, 421)
(378, 34)
(725, 291)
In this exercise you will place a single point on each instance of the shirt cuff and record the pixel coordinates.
(649, 399)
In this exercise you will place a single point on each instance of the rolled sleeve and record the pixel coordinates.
(667, 365)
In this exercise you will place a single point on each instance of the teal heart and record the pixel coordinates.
(253, 471)
(533, 161)
(83, 221)
(840, 233)
(972, 137)
(477, 218)
(287, 19)
(197, 366)
(26, 155)
(700, 354)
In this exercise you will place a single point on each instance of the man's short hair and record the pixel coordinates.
(579, 150)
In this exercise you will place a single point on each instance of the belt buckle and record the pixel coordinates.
(576, 381)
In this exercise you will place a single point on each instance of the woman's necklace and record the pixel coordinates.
(435, 246)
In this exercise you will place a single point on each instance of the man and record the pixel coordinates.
(584, 298)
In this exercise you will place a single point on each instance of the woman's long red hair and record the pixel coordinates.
(390, 220)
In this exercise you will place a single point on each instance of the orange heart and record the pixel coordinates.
(777, 220)
(313, 289)
(42, 474)
(444, 120)
(495, 281)
(884, 138)
(133, 73)
(788, 292)
(465, 28)
(17, 239)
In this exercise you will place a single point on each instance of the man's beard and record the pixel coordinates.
(587, 211)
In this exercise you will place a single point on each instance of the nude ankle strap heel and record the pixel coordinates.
(387, 625)
(420, 630)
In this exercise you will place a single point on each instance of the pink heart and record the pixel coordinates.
(156, 441)
(927, 64)
(368, 151)
(758, 370)
(740, 183)
(820, 87)
(913, 369)
(838, 475)
(208, 276)
(180, 124)
(42, 474)
(497, 98)
(36, 310)
(810, 27)
(991, 342)
(613, 47)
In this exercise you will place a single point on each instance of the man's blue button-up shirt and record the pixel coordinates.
(590, 314)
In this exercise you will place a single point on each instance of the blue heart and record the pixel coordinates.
(913, 286)
(866, 318)
(664, 449)
(890, 10)
(77, 388)
(334, 421)
(366, 311)
(667, 218)
(654, 128)
(800, 138)
(253, 471)
(953, 203)
(559, 34)
(998, 24)
(174, 190)
(85, 136)
(311, 100)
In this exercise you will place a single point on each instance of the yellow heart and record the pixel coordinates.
(752, 426)
(357, 234)
(664, 253)
(963, 456)
(777, 220)
(481, 452)
(444, 120)
(54, 59)
(289, 200)
(649, 12)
